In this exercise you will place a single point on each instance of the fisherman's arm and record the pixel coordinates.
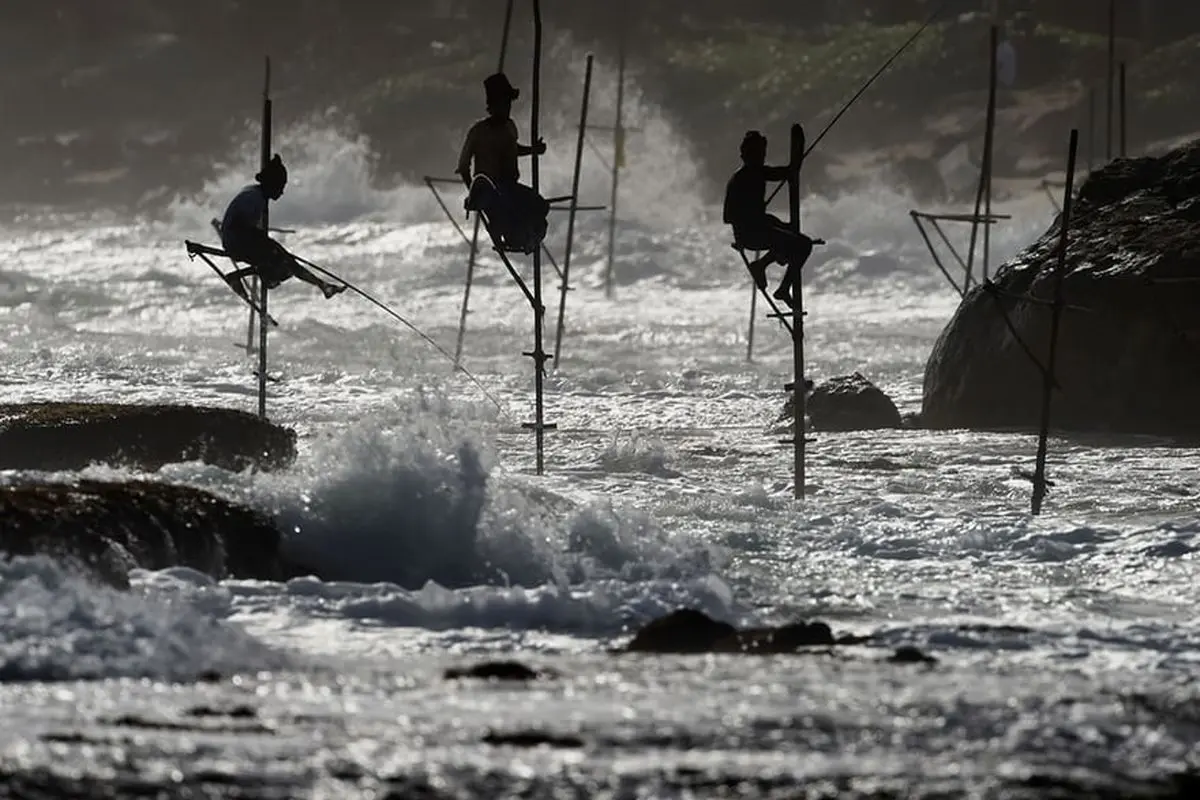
(526, 150)
(464, 158)
(776, 173)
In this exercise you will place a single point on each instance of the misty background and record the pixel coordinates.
(130, 104)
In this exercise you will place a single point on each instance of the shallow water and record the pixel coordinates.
(1066, 643)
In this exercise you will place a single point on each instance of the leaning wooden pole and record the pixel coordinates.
(750, 331)
(1039, 476)
(539, 310)
(799, 396)
(473, 256)
(1111, 93)
(618, 158)
(985, 165)
(1091, 123)
(1122, 107)
(989, 155)
(566, 270)
(262, 285)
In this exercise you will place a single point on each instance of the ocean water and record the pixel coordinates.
(1066, 644)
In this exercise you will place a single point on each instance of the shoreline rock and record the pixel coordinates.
(105, 529)
(1129, 343)
(53, 436)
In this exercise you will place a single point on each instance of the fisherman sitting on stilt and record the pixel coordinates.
(754, 228)
(245, 240)
(515, 213)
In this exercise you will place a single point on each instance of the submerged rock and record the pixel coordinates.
(71, 436)
(690, 631)
(846, 403)
(1128, 356)
(496, 671)
(106, 529)
(851, 403)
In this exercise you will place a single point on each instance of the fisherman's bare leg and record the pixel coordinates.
(328, 289)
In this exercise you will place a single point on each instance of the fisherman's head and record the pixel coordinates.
(500, 94)
(754, 148)
(273, 178)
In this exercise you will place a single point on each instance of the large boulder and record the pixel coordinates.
(70, 436)
(1128, 357)
(106, 529)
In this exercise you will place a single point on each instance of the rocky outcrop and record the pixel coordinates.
(1129, 342)
(71, 436)
(106, 529)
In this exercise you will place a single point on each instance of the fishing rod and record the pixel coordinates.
(862, 90)
(407, 324)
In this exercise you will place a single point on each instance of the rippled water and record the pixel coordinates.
(1066, 643)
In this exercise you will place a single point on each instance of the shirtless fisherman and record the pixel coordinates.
(515, 212)
(754, 228)
(245, 240)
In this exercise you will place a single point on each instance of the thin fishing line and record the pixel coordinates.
(862, 90)
(410, 326)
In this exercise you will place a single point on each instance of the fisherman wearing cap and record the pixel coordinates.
(754, 228)
(515, 212)
(245, 240)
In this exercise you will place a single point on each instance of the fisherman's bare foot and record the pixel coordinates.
(331, 289)
(783, 295)
(758, 271)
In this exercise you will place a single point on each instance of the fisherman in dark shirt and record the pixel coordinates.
(515, 212)
(245, 240)
(754, 228)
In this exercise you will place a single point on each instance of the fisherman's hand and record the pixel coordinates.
(540, 147)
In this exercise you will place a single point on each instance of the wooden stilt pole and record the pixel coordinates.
(474, 254)
(1091, 123)
(566, 270)
(250, 321)
(753, 312)
(1111, 93)
(799, 395)
(1040, 483)
(618, 158)
(1121, 93)
(262, 285)
(990, 155)
(539, 310)
(985, 165)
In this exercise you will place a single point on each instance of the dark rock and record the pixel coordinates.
(850, 403)
(71, 436)
(532, 739)
(910, 655)
(1129, 339)
(689, 631)
(235, 712)
(496, 671)
(768, 641)
(681, 631)
(105, 529)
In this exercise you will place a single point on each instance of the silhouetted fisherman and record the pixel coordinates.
(515, 212)
(754, 228)
(245, 239)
